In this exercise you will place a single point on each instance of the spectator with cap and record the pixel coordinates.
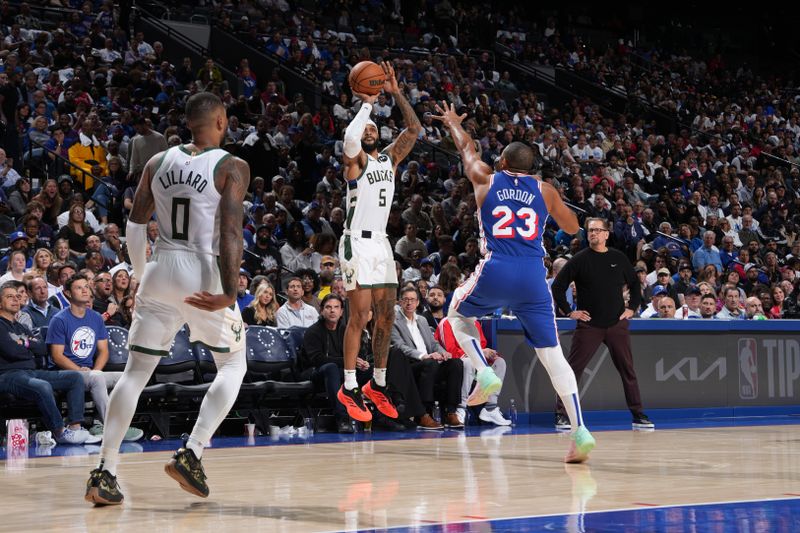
(243, 297)
(327, 272)
(691, 305)
(17, 241)
(730, 306)
(685, 279)
(263, 258)
(752, 278)
(313, 223)
(708, 254)
(659, 292)
(664, 279)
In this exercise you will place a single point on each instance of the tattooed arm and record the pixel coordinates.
(402, 146)
(233, 176)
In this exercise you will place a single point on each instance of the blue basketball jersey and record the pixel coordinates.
(513, 216)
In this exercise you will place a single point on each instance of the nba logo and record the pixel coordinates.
(748, 369)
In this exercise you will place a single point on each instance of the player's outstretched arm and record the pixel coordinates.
(476, 170)
(562, 214)
(354, 157)
(142, 210)
(404, 143)
(237, 179)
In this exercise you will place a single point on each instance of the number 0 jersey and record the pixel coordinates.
(369, 198)
(513, 216)
(187, 200)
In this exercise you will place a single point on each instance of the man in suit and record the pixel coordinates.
(430, 363)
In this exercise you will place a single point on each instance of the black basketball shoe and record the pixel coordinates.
(187, 470)
(102, 488)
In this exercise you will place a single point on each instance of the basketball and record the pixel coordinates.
(367, 78)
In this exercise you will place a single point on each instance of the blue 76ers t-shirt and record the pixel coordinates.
(78, 335)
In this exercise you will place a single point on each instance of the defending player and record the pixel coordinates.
(513, 207)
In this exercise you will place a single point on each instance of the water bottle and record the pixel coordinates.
(512, 412)
(437, 413)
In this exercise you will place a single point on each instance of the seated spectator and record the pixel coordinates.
(327, 273)
(63, 273)
(434, 313)
(76, 231)
(85, 153)
(39, 311)
(489, 413)
(708, 306)
(429, 361)
(77, 340)
(18, 375)
(109, 311)
(18, 242)
(691, 305)
(264, 307)
(414, 215)
(243, 297)
(651, 311)
(753, 309)
(666, 308)
(310, 281)
(121, 281)
(708, 254)
(263, 257)
(322, 358)
(730, 309)
(409, 243)
(295, 312)
(412, 273)
(16, 267)
(296, 253)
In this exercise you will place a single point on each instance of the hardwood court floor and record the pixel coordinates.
(423, 481)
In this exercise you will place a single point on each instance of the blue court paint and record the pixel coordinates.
(767, 516)
(480, 352)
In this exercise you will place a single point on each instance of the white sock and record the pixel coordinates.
(122, 406)
(563, 379)
(219, 399)
(350, 382)
(468, 338)
(379, 375)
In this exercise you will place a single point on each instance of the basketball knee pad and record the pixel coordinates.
(561, 375)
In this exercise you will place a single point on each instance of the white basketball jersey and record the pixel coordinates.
(187, 201)
(369, 198)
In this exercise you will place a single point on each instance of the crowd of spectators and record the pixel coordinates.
(707, 212)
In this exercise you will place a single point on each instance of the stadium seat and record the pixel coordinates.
(117, 349)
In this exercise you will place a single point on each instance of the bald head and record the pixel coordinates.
(518, 157)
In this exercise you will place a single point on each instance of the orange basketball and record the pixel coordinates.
(367, 78)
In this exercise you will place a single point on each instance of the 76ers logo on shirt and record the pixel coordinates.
(82, 342)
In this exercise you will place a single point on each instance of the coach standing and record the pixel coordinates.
(600, 275)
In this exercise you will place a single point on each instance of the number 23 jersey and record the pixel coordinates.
(187, 200)
(513, 216)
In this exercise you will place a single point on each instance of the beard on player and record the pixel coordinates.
(369, 147)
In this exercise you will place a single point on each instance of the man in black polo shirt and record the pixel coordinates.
(600, 273)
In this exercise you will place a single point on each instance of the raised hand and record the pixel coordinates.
(366, 98)
(447, 115)
(390, 85)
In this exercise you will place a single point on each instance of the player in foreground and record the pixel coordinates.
(196, 191)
